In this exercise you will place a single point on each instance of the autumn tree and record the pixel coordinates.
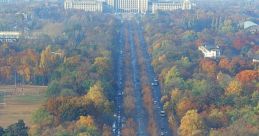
(184, 105)
(248, 76)
(96, 95)
(86, 121)
(192, 125)
(234, 88)
(208, 66)
(130, 128)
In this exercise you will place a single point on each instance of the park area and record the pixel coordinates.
(19, 103)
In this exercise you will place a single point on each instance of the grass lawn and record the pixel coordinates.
(20, 105)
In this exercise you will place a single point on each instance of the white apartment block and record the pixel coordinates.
(86, 5)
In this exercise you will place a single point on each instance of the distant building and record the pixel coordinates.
(9, 36)
(126, 6)
(210, 51)
(251, 27)
(86, 5)
(131, 6)
(171, 6)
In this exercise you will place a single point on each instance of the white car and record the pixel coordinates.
(154, 84)
(162, 113)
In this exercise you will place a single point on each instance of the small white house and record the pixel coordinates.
(251, 27)
(210, 51)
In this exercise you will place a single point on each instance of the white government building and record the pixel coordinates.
(9, 36)
(86, 5)
(127, 6)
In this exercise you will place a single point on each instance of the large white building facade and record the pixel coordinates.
(86, 5)
(171, 6)
(127, 6)
(9, 36)
(131, 6)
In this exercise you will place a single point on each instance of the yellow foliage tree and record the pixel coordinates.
(45, 57)
(234, 87)
(86, 121)
(96, 95)
(192, 125)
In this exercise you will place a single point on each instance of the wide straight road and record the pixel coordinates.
(128, 30)
(117, 125)
(161, 120)
(141, 115)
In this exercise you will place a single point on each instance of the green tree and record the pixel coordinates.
(17, 129)
(42, 117)
(54, 89)
(1, 131)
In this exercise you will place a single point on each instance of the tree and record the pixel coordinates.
(184, 105)
(42, 117)
(248, 76)
(234, 88)
(106, 130)
(224, 64)
(208, 66)
(86, 121)
(17, 129)
(1, 131)
(192, 124)
(101, 64)
(54, 89)
(130, 128)
(86, 126)
(95, 94)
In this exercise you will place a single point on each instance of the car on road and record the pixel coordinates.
(162, 133)
(162, 113)
(155, 80)
(154, 84)
(155, 102)
(113, 127)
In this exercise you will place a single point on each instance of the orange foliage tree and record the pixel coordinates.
(248, 76)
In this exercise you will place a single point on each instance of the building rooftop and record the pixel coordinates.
(9, 33)
(249, 24)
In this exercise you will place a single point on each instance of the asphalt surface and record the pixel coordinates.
(161, 121)
(117, 125)
(141, 116)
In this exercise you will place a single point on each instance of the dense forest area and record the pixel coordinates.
(204, 96)
(73, 55)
